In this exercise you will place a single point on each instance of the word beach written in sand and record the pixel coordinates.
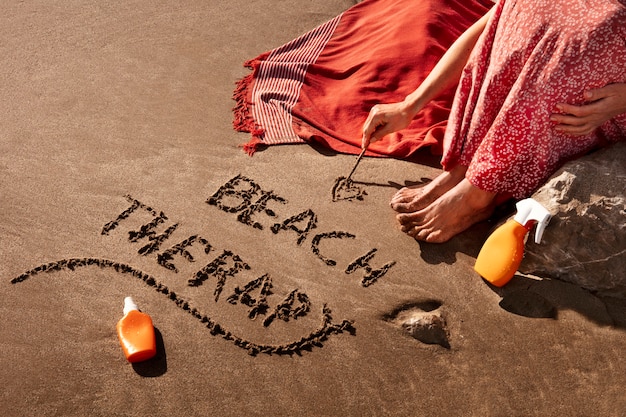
(245, 198)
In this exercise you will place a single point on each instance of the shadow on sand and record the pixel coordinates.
(527, 296)
(156, 366)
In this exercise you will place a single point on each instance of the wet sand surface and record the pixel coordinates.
(121, 176)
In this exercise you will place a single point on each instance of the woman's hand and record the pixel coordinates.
(605, 103)
(384, 119)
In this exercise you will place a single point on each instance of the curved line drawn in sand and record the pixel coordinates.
(308, 342)
(344, 189)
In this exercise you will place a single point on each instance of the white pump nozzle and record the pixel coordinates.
(529, 210)
(129, 305)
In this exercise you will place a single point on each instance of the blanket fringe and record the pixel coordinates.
(243, 121)
(242, 117)
(252, 146)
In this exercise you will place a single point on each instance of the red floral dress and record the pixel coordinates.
(531, 56)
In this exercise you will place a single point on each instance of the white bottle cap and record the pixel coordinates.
(530, 210)
(129, 305)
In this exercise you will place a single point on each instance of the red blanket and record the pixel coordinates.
(320, 87)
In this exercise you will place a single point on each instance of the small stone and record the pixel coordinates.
(427, 327)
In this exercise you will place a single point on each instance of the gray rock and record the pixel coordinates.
(585, 242)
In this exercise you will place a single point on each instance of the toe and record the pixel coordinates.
(422, 234)
(436, 237)
(403, 207)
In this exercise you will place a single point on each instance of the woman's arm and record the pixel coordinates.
(387, 118)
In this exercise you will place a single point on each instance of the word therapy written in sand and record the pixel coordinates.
(224, 266)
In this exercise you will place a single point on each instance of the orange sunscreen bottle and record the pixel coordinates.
(502, 252)
(136, 333)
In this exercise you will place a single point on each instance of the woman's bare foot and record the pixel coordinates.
(456, 210)
(418, 197)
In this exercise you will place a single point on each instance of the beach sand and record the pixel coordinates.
(268, 297)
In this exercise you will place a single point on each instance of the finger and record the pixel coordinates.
(372, 136)
(575, 130)
(598, 93)
(380, 132)
(366, 141)
(563, 119)
(369, 127)
(578, 111)
(367, 138)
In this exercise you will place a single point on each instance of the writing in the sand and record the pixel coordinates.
(246, 200)
(315, 338)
